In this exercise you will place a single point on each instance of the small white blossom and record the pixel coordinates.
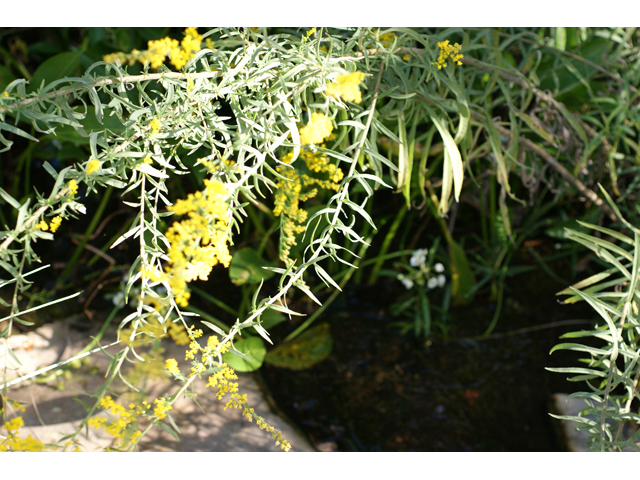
(441, 280)
(439, 267)
(118, 299)
(432, 283)
(418, 257)
(408, 283)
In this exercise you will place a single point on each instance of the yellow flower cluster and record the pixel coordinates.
(199, 242)
(73, 187)
(289, 193)
(150, 368)
(161, 408)
(93, 166)
(172, 365)
(156, 126)
(13, 443)
(317, 130)
(124, 427)
(346, 87)
(125, 423)
(222, 379)
(55, 223)
(275, 434)
(53, 226)
(154, 329)
(158, 50)
(387, 38)
(448, 51)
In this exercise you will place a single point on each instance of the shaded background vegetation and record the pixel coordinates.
(437, 374)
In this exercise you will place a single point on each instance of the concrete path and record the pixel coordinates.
(576, 440)
(52, 409)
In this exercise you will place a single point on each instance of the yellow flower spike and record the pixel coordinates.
(317, 130)
(14, 424)
(93, 166)
(43, 226)
(346, 87)
(161, 408)
(155, 125)
(158, 51)
(73, 186)
(172, 365)
(55, 223)
(199, 242)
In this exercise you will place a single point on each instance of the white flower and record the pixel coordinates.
(408, 284)
(118, 299)
(432, 283)
(441, 280)
(439, 267)
(418, 257)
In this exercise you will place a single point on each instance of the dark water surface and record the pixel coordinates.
(383, 391)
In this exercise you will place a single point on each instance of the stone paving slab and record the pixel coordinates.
(52, 412)
(576, 441)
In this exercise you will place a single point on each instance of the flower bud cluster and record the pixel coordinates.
(158, 50)
(448, 51)
(290, 189)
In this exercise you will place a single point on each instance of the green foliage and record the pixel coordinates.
(311, 347)
(253, 352)
(247, 266)
(611, 368)
(520, 129)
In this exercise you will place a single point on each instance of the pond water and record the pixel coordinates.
(380, 390)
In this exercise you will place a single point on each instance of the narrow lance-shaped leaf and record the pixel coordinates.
(453, 160)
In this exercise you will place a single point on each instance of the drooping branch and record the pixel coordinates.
(106, 81)
(564, 173)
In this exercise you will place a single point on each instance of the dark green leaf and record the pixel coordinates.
(253, 349)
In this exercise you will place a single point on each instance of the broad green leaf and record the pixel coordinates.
(253, 349)
(311, 347)
(247, 267)
(59, 66)
(462, 277)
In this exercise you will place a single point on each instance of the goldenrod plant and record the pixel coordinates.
(288, 134)
(303, 118)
